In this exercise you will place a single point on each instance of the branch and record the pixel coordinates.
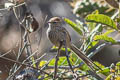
(23, 64)
(66, 67)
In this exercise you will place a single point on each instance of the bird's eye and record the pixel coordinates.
(54, 22)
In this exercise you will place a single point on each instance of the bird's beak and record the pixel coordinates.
(48, 22)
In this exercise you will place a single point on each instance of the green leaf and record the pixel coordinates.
(85, 67)
(91, 25)
(73, 25)
(61, 60)
(103, 19)
(118, 64)
(91, 36)
(42, 63)
(95, 12)
(52, 62)
(104, 37)
(105, 71)
(108, 32)
(99, 65)
(93, 43)
(74, 58)
(109, 77)
(33, 61)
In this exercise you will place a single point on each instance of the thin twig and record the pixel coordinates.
(46, 65)
(37, 60)
(31, 56)
(21, 51)
(95, 75)
(81, 76)
(19, 54)
(20, 22)
(5, 53)
(2, 9)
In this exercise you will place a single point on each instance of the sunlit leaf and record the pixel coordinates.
(52, 62)
(75, 59)
(108, 32)
(118, 64)
(92, 25)
(42, 63)
(39, 77)
(109, 77)
(105, 71)
(73, 25)
(95, 12)
(33, 61)
(104, 37)
(84, 68)
(61, 60)
(92, 44)
(99, 65)
(103, 19)
(118, 78)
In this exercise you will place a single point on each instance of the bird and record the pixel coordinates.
(60, 37)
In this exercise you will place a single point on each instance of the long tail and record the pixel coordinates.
(81, 55)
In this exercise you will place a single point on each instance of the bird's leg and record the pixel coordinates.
(56, 61)
(67, 56)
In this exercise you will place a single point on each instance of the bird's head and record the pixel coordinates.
(55, 21)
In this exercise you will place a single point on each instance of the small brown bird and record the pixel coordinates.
(60, 37)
